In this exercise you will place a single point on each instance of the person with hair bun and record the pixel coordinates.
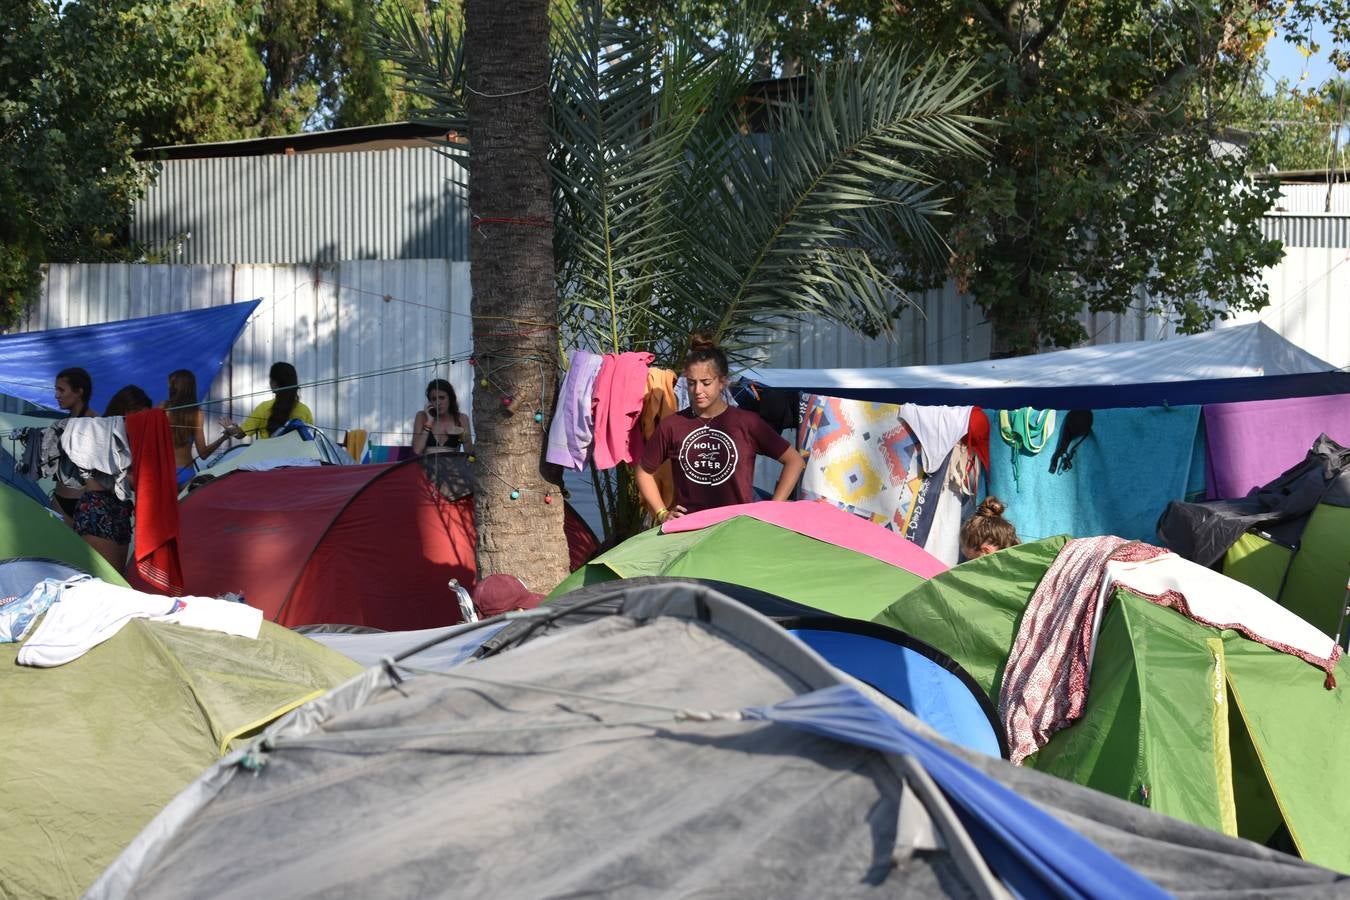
(987, 531)
(712, 445)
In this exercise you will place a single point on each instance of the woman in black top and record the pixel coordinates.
(441, 426)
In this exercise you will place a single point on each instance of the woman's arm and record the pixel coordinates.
(256, 422)
(650, 493)
(421, 432)
(467, 436)
(204, 449)
(793, 466)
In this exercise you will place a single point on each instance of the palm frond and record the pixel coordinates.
(429, 56)
(626, 102)
(809, 218)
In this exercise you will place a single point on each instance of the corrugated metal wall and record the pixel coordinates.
(1310, 300)
(333, 321)
(342, 325)
(1314, 230)
(403, 203)
(1309, 304)
(1312, 198)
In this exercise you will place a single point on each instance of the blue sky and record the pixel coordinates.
(1286, 62)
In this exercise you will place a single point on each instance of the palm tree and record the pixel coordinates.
(686, 196)
(515, 311)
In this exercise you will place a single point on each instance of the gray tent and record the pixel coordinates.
(680, 745)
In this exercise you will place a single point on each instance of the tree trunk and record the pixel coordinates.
(515, 312)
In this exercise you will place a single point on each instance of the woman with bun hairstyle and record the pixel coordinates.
(987, 531)
(712, 445)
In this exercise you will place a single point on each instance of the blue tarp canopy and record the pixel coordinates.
(134, 351)
(1245, 362)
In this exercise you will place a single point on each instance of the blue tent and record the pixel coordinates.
(920, 678)
(134, 351)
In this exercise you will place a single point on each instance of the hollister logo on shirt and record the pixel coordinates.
(708, 456)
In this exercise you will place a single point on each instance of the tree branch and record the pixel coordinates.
(997, 23)
(1048, 29)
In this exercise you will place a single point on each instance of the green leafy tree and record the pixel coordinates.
(1097, 103)
(1110, 184)
(81, 80)
(1289, 128)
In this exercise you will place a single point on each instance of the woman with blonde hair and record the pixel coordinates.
(987, 531)
(187, 424)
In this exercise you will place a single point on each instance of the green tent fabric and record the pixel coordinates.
(92, 750)
(1316, 585)
(1191, 721)
(1258, 562)
(745, 551)
(27, 529)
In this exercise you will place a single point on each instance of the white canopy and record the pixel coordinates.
(1245, 362)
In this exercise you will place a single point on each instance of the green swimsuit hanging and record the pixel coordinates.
(1026, 431)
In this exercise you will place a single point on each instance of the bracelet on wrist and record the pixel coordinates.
(662, 514)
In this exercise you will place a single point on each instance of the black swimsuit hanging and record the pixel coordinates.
(1076, 428)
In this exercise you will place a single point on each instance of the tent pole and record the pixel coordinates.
(1343, 640)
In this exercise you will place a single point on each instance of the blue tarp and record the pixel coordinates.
(1033, 852)
(134, 351)
(1245, 362)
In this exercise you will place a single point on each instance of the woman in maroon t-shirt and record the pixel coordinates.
(712, 446)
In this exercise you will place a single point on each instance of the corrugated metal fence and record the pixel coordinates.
(1309, 304)
(362, 335)
(343, 324)
(402, 203)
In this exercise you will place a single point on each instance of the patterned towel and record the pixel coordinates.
(1045, 682)
(861, 458)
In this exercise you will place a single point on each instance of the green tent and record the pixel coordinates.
(1289, 539)
(27, 529)
(1191, 721)
(746, 551)
(92, 750)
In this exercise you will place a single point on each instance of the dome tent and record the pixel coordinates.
(93, 749)
(28, 530)
(367, 545)
(701, 750)
(811, 553)
(1192, 721)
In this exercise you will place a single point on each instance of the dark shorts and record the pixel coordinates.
(67, 504)
(100, 514)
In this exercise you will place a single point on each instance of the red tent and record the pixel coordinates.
(367, 545)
